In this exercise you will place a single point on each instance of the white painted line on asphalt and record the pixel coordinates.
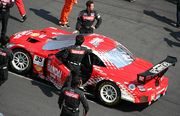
(23, 77)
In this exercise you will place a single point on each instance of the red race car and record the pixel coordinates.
(111, 70)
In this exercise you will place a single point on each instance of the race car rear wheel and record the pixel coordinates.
(109, 93)
(22, 61)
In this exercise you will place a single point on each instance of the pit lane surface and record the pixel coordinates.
(144, 27)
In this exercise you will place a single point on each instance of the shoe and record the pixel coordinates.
(23, 18)
(177, 26)
(61, 25)
(64, 25)
(67, 26)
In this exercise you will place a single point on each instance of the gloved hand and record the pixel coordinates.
(76, 31)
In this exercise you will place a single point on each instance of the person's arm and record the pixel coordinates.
(10, 55)
(84, 103)
(61, 98)
(79, 22)
(99, 20)
(75, 1)
(11, 4)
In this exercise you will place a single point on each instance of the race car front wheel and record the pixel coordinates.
(109, 93)
(22, 61)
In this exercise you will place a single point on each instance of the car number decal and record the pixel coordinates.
(38, 60)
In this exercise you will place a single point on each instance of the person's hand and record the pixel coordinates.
(76, 31)
(93, 27)
(75, 2)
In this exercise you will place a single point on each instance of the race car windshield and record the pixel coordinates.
(59, 42)
(119, 56)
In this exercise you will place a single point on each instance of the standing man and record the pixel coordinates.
(5, 6)
(68, 5)
(5, 56)
(74, 54)
(86, 19)
(178, 14)
(70, 98)
(22, 11)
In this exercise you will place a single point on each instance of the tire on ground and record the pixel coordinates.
(109, 93)
(22, 61)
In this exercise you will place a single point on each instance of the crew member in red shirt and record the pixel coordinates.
(22, 11)
(68, 5)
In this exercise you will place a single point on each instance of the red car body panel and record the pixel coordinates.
(56, 72)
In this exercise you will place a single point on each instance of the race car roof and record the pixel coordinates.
(94, 41)
(59, 42)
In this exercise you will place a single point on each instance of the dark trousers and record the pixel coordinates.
(75, 68)
(71, 77)
(178, 19)
(3, 75)
(4, 20)
(66, 112)
(86, 30)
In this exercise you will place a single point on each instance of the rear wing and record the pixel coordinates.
(157, 70)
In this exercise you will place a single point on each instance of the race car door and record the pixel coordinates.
(56, 71)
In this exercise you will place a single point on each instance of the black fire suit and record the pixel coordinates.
(86, 20)
(69, 101)
(5, 56)
(74, 55)
(4, 11)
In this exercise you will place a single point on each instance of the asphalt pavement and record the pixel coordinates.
(145, 27)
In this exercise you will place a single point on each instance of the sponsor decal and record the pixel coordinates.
(38, 68)
(72, 94)
(77, 51)
(20, 34)
(53, 70)
(38, 60)
(91, 18)
(96, 41)
(42, 36)
(56, 33)
(2, 53)
(152, 97)
(35, 34)
(159, 67)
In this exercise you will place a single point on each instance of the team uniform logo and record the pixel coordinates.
(72, 94)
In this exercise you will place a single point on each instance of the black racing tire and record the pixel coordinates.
(109, 93)
(22, 62)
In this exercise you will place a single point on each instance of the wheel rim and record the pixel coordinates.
(108, 93)
(20, 61)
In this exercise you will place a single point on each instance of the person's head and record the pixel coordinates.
(79, 40)
(90, 5)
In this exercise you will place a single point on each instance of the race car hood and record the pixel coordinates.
(129, 72)
(33, 40)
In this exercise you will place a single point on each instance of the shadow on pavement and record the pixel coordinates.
(171, 43)
(46, 87)
(14, 18)
(175, 35)
(172, 1)
(160, 18)
(44, 14)
(124, 106)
